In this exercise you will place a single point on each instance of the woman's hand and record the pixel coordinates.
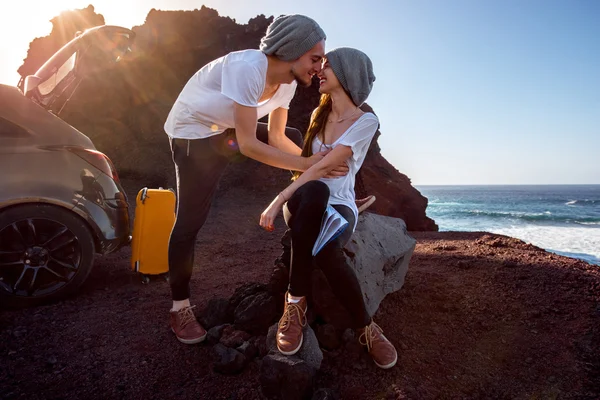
(267, 218)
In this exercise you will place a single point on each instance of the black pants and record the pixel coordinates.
(303, 214)
(199, 165)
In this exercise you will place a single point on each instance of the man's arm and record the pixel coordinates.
(277, 138)
(245, 129)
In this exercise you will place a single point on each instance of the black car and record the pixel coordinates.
(61, 201)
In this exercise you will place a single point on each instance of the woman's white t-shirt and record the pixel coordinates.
(205, 105)
(358, 137)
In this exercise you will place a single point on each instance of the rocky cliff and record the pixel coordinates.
(123, 109)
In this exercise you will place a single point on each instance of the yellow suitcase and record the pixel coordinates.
(153, 222)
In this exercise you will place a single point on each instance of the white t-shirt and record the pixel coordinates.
(205, 105)
(358, 137)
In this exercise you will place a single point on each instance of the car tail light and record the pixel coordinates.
(98, 160)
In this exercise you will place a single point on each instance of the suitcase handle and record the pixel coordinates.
(144, 195)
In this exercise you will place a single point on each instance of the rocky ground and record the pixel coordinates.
(480, 316)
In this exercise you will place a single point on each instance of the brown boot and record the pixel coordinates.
(380, 348)
(289, 330)
(185, 326)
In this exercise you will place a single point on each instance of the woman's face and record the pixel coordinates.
(327, 79)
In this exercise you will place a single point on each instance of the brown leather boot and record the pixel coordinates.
(289, 330)
(380, 348)
(185, 326)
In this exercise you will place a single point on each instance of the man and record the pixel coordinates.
(219, 107)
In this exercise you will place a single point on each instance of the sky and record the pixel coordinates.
(467, 91)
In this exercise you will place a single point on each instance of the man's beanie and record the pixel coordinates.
(354, 70)
(290, 36)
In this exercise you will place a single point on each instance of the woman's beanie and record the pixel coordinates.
(354, 70)
(290, 36)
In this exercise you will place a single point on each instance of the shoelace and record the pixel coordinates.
(186, 315)
(369, 335)
(286, 319)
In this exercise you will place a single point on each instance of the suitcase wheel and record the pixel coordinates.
(145, 279)
(166, 276)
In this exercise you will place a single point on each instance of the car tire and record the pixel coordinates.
(46, 243)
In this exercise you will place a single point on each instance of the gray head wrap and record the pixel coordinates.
(354, 70)
(290, 36)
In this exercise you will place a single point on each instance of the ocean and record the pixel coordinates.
(563, 219)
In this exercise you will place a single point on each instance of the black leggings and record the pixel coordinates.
(199, 164)
(303, 214)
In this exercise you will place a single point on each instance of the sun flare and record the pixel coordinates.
(23, 21)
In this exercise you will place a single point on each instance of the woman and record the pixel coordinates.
(338, 124)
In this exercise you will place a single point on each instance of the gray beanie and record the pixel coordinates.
(354, 70)
(290, 36)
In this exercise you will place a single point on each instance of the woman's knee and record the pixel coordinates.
(309, 201)
(314, 190)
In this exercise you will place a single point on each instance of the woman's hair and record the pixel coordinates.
(315, 127)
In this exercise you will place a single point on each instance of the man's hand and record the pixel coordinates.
(315, 158)
(340, 170)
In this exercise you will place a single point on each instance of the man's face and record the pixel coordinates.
(304, 68)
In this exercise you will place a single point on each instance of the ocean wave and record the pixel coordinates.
(587, 223)
(584, 202)
(545, 216)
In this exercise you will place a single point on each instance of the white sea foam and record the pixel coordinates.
(582, 241)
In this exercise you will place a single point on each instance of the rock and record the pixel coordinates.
(328, 336)
(379, 253)
(348, 335)
(244, 291)
(228, 361)
(309, 352)
(248, 349)
(214, 333)
(396, 197)
(325, 394)
(261, 345)
(279, 280)
(286, 377)
(255, 313)
(216, 313)
(233, 338)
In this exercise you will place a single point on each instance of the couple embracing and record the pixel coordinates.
(226, 98)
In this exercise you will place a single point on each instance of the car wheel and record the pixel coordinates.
(46, 253)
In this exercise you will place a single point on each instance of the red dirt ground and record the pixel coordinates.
(480, 316)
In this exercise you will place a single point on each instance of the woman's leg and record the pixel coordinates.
(341, 277)
(303, 214)
(345, 286)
